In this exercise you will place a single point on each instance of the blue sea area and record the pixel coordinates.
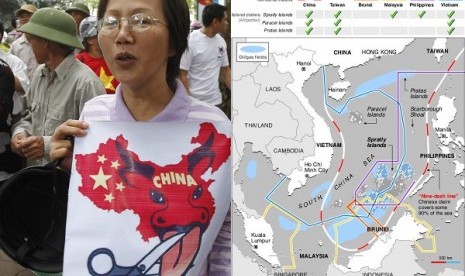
(374, 85)
(321, 189)
(406, 171)
(348, 231)
(251, 169)
(352, 229)
(290, 225)
(380, 172)
(377, 211)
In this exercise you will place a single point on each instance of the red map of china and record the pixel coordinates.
(165, 197)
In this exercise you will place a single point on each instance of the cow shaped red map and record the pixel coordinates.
(168, 199)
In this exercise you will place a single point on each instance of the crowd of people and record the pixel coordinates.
(135, 61)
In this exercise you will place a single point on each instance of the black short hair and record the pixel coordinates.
(211, 12)
(177, 17)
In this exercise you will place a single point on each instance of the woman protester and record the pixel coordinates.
(142, 42)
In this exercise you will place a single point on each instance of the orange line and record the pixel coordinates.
(347, 206)
(372, 216)
(360, 218)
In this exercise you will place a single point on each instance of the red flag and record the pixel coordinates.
(205, 2)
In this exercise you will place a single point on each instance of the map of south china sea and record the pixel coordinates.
(348, 156)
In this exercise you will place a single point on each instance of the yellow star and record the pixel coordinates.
(100, 179)
(107, 80)
(115, 164)
(101, 158)
(120, 186)
(109, 197)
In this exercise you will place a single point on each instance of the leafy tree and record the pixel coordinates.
(7, 11)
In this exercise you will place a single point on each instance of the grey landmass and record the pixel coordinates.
(401, 261)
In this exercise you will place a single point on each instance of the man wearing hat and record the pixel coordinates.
(59, 87)
(21, 46)
(78, 11)
(24, 13)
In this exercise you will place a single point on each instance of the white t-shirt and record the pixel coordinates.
(203, 60)
(19, 69)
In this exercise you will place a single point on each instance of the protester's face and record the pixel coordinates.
(78, 17)
(92, 40)
(24, 17)
(135, 58)
(38, 46)
(223, 24)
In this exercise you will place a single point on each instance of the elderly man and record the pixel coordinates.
(58, 89)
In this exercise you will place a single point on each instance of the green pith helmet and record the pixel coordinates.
(78, 7)
(53, 25)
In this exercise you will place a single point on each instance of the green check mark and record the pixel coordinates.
(421, 14)
(309, 30)
(450, 31)
(308, 22)
(337, 31)
(308, 14)
(450, 14)
(337, 22)
(449, 23)
(336, 15)
(394, 14)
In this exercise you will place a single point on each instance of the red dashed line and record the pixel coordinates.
(338, 129)
(340, 165)
(450, 66)
(430, 98)
(427, 129)
(426, 168)
(361, 247)
(321, 215)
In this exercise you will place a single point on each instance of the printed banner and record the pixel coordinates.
(147, 198)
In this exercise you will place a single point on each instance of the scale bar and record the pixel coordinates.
(446, 262)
